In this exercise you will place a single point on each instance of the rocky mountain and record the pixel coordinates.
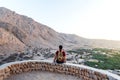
(18, 31)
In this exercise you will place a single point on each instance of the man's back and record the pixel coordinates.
(60, 56)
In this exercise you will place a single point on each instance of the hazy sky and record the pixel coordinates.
(98, 19)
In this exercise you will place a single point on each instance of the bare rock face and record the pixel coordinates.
(30, 32)
(9, 43)
(21, 31)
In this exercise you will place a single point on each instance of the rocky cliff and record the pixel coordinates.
(18, 31)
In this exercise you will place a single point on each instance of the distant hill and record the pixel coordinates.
(18, 31)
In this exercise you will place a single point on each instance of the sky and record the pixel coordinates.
(94, 19)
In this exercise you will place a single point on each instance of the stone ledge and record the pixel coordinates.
(81, 71)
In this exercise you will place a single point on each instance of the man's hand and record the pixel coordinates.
(65, 61)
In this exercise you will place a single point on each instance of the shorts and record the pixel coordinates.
(59, 61)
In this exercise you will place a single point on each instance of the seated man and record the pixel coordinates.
(60, 56)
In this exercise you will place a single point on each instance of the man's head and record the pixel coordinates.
(60, 47)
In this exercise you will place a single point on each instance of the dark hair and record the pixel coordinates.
(60, 46)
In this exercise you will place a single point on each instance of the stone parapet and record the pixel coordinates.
(81, 71)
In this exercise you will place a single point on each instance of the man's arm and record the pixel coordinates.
(55, 57)
(64, 54)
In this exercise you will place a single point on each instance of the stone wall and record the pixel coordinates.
(81, 71)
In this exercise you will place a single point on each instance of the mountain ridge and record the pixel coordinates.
(31, 33)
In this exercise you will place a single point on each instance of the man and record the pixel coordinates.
(60, 56)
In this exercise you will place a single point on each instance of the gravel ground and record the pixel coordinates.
(37, 75)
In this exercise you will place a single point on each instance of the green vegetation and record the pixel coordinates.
(80, 51)
(106, 61)
(106, 58)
